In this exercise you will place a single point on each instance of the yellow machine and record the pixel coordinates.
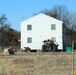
(75, 71)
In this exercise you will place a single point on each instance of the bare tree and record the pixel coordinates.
(59, 12)
(3, 20)
(7, 34)
(73, 26)
(73, 21)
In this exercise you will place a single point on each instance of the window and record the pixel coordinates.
(53, 27)
(29, 40)
(53, 39)
(29, 27)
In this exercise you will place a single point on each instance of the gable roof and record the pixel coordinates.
(41, 14)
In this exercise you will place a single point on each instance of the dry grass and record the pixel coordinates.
(48, 64)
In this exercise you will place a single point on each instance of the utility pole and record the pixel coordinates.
(72, 57)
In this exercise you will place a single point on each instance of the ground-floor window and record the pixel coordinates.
(53, 39)
(29, 40)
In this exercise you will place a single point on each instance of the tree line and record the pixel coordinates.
(8, 35)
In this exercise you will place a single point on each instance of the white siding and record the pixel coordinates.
(41, 30)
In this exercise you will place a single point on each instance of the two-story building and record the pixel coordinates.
(41, 27)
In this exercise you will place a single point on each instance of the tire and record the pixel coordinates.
(54, 48)
(43, 48)
(11, 51)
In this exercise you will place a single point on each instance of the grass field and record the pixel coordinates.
(37, 64)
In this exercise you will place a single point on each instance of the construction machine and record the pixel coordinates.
(49, 46)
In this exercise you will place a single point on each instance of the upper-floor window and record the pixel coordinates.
(53, 26)
(29, 27)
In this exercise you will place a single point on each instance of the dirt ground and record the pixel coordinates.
(37, 64)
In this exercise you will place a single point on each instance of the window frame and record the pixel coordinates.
(53, 39)
(29, 39)
(53, 26)
(29, 27)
